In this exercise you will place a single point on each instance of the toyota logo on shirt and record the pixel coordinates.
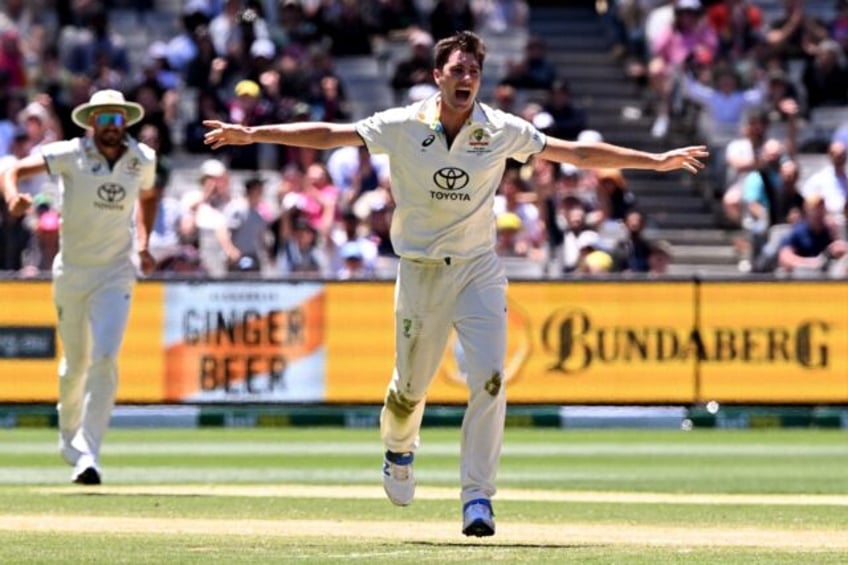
(450, 178)
(111, 192)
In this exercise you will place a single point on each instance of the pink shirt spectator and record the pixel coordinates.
(674, 45)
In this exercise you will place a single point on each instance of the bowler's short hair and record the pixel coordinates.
(464, 41)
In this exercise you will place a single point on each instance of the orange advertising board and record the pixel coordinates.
(775, 342)
(27, 377)
(244, 342)
(567, 342)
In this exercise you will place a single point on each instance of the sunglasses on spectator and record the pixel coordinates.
(109, 119)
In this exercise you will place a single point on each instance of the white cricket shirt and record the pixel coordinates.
(444, 195)
(98, 201)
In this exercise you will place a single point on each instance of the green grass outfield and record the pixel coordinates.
(315, 496)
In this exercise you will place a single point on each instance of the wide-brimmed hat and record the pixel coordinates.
(107, 99)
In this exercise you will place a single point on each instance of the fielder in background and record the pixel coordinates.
(448, 154)
(106, 189)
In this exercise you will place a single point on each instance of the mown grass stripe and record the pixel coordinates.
(551, 535)
(441, 493)
(270, 448)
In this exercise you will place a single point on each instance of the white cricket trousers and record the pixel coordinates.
(430, 298)
(92, 306)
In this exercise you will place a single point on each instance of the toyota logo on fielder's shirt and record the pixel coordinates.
(111, 192)
(450, 178)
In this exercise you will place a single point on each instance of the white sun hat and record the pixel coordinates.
(107, 99)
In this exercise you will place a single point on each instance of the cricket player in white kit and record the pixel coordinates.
(448, 154)
(106, 196)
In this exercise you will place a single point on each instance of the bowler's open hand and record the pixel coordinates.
(689, 158)
(222, 134)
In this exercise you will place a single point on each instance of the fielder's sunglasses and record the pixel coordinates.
(109, 119)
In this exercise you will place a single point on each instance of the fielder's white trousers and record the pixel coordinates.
(92, 306)
(430, 298)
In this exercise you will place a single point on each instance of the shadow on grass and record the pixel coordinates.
(472, 543)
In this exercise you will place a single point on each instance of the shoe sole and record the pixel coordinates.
(90, 476)
(479, 528)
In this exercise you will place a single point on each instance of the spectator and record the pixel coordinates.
(202, 221)
(515, 198)
(831, 183)
(348, 28)
(15, 233)
(97, 47)
(12, 63)
(398, 17)
(791, 34)
(575, 227)
(508, 241)
(209, 107)
(789, 211)
(349, 230)
(77, 91)
(451, 16)
(810, 246)
(330, 103)
(738, 25)
(294, 32)
(235, 28)
(299, 254)
(839, 24)
(739, 158)
(535, 70)
(354, 264)
(417, 68)
(782, 101)
(689, 36)
(157, 71)
(159, 111)
(501, 16)
(568, 119)
(592, 258)
(615, 200)
(504, 97)
(183, 47)
(205, 70)
(260, 58)
(659, 257)
(248, 228)
(355, 171)
(825, 76)
(44, 245)
(633, 252)
(40, 126)
(724, 103)
(247, 108)
(762, 194)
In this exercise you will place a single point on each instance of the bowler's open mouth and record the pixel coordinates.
(463, 94)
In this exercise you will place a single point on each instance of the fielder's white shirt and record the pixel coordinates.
(98, 201)
(444, 195)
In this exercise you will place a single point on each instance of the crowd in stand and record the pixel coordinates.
(327, 214)
(756, 83)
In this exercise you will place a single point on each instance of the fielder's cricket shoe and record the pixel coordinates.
(86, 471)
(398, 478)
(477, 518)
